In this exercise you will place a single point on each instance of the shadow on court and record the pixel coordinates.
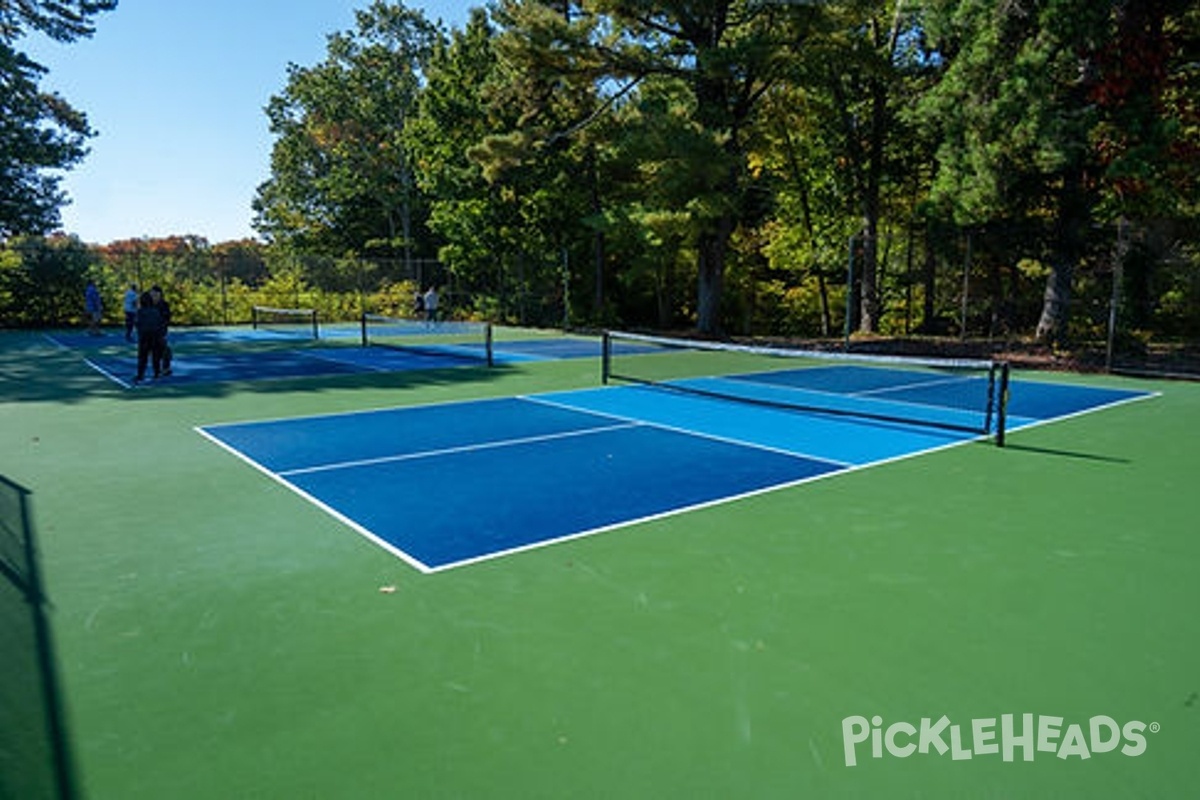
(35, 369)
(1050, 451)
(35, 759)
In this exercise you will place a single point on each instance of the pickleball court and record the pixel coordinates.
(451, 484)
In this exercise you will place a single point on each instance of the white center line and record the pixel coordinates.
(472, 448)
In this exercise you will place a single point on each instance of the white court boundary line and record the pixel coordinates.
(323, 506)
(87, 361)
(108, 374)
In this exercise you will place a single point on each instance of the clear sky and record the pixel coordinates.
(175, 92)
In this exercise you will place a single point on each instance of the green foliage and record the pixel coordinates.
(1066, 110)
(62, 20)
(41, 133)
(341, 172)
(42, 281)
(793, 310)
(707, 165)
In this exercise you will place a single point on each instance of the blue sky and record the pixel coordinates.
(176, 93)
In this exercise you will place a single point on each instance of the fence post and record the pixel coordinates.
(966, 289)
(1114, 301)
(849, 292)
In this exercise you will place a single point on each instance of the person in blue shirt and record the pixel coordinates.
(93, 307)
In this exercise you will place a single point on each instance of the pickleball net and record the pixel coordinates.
(454, 339)
(959, 395)
(300, 323)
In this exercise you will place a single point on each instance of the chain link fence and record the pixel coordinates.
(1134, 304)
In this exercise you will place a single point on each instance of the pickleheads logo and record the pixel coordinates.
(1028, 734)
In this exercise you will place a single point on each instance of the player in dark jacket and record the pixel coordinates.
(150, 326)
(165, 308)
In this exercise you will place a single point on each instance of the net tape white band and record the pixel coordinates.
(782, 352)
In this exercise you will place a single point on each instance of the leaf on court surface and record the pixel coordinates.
(387, 589)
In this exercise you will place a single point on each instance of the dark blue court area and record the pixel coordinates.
(241, 354)
(313, 362)
(447, 485)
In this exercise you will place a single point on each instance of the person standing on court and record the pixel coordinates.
(150, 336)
(131, 307)
(165, 309)
(93, 307)
(431, 304)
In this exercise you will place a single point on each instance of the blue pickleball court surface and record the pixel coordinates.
(116, 359)
(451, 484)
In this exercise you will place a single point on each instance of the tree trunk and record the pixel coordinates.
(868, 320)
(599, 254)
(1051, 327)
(997, 318)
(876, 163)
(823, 291)
(870, 311)
(712, 247)
(929, 280)
(598, 258)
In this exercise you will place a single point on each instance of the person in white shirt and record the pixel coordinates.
(131, 307)
(431, 304)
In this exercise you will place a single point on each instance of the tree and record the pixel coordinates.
(42, 279)
(553, 145)
(507, 192)
(649, 202)
(39, 131)
(800, 140)
(341, 178)
(867, 67)
(559, 135)
(453, 117)
(1046, 109)
(726, 54)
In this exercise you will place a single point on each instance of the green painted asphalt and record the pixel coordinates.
(219, 637)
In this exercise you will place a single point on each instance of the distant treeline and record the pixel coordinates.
(962, 168)
(949, 283)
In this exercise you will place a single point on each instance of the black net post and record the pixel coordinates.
(1002, 405)
(990, 413)
(605, 357)
(487, 337)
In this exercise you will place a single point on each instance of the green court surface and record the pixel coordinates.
(219, 637)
